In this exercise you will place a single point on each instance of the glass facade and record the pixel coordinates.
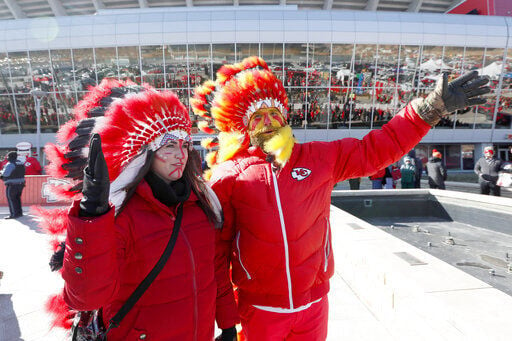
(330, 86)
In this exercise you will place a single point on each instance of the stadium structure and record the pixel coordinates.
(348, 66)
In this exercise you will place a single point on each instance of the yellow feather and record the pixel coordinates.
(206, 143)
(229, 145)
(211, 158)
(207, 175)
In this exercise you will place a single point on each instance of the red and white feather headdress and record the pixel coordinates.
(130, 119)
(227, 104)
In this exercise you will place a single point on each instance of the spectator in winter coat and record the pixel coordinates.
(416, 162)
(377, 179)
(436, 171)
(408, 172)
(276, 194)
(354, 183)
(138, 183)
(388, 178)
(13, 175)
(487, 169)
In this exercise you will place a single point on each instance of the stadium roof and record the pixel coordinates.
(18, 9)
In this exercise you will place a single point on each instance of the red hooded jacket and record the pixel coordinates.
(276, 233)
(116, 255)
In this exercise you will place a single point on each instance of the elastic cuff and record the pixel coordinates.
(426, 111)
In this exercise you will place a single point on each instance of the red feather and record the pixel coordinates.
(61, 313)
(67, 131)
(55, 155)
(51, 221)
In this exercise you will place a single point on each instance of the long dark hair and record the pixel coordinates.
(192, 173)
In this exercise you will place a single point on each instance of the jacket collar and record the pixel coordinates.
(144, 191)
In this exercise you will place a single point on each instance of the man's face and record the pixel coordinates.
(170, 160)
(488, 154)
(264, 124)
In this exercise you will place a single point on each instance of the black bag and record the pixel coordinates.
(89, 326)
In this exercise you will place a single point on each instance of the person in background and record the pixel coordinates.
(395, 173)
(388, 178)
(278, 247)
(32, 166)
(378, 178)
(487, 169)
(436, 171)
(416, 161)
(13, 175)
(354, 183)
(408, 172)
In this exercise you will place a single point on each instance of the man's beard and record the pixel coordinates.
(259, 138)
(278, 143)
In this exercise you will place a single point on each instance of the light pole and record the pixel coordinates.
(38, 96)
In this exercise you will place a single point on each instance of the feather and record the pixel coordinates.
(209, 142)
(230, 144)
(211, 159)
(61, 313)
(125, 178)
(51, 221)
(66, 131)
(55, 155)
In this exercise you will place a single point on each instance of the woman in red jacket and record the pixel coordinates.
(141, 167)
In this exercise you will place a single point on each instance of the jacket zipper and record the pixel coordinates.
(285, 239)
(194, 284)
(240, 256)
(327, 247)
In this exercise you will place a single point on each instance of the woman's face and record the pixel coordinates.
(170, 160)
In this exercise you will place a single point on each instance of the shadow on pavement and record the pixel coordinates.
(9, 327)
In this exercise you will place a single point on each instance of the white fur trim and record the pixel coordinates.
(126, 177)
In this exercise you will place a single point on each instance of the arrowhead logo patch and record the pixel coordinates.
(300, 173)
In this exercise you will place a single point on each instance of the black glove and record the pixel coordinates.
(463, 91)
(227, 335)
(96, 185)
(57, 259)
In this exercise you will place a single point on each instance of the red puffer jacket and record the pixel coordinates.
(113, 255)
(276, 232)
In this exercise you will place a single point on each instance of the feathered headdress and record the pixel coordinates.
(227, 104)
(132, 120)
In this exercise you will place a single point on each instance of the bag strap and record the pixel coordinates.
(144, 285)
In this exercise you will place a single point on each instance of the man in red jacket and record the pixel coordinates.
(276, 193)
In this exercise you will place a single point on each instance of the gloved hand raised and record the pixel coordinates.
(449, 97)
(96, 184)
(463, 91)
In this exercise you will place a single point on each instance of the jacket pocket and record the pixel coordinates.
(240, 255)
(327, 244)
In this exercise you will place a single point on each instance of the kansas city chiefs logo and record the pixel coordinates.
(300, 173)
